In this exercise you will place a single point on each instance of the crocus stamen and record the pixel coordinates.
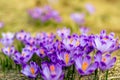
(32, 70)
(23, 54)
(77, 43)
(30, 48)
(104, 59)
(105, 38)
(59, 46)
(71, 40)
(52, 68)
(67, 57)
(84, 66)
(8, 50)
(41, 51)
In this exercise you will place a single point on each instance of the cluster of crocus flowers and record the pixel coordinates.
(44, 14)
(62, 50)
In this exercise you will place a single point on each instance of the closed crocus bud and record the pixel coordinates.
(7, 38)
(90, 8)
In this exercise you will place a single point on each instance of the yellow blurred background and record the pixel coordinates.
(14, 14)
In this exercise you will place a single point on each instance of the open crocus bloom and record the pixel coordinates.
(44, 38)
(22, 58)
(9, 51)
(84, 65)
(41, 52)
(105, 43)
(65, 58)
(31, 70)
(52, 71)
(22, 35)
(7, 39)
(105, 61)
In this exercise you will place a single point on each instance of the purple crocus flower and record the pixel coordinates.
(35, 13)
(90, 8)
(9, 51)
(78, 18)
(22, 35)
(31, 48)
(84, 30)
(55, 15)
(30, 41)
(7, 39)
(84, 65)
(70, 43)
(58, 45)
(31, 70)
(45, 41)
(52, 71)
(63, 33)
(105, 61)
(105, 43)
(65, 57)
(41, 52)
(45, 37)
(1, 24)
(44, 14)
(73, 41)
(23, 57)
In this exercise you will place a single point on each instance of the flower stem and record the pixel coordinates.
(96, 75)
(80, 77)
(73, 72)
(106, 76)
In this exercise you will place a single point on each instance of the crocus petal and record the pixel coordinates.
(111, 63)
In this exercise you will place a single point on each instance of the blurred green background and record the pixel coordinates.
(14, 15)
